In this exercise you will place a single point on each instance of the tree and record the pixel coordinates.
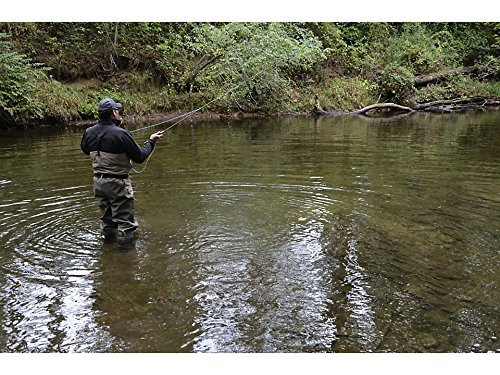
(266, 57)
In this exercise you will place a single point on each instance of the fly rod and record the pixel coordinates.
(184, 116)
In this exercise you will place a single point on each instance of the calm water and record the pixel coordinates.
(276, 235)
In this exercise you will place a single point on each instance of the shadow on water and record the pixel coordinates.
(270, 235)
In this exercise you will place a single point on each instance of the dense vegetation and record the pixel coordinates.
(57, 72)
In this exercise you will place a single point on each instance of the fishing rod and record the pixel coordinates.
(189, 114)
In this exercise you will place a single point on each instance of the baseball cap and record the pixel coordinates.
(108, 104)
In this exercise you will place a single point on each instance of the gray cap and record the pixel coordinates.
(107, 104)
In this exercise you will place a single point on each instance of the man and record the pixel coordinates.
(111, 149)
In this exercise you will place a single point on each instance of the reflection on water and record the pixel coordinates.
(277, 235)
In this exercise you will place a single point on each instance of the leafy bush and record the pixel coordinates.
(262, 58)
(456, 87)
(396, 83)
(52, 100)
(17, 78)
(420, 51)
(474, 42)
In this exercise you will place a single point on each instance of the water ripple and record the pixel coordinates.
(335, 235)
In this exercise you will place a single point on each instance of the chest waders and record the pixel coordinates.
(116, 201)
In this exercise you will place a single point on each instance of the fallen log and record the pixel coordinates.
(425, 79)
(382, 106)
(457, 104)
(378, 107)
(439, 106)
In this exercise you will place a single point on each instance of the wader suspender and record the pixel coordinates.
(99, 137)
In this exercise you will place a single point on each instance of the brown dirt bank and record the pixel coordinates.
(168, 119)
(134, 120)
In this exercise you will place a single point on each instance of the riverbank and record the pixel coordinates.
(56, 73)
(75, 103)
(169, 118)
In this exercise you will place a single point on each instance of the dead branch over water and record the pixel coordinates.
(478, 103)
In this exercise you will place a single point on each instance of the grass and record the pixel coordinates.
(458, 86)
(340, 94)
(60, 103)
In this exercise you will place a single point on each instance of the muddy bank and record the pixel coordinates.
(134, 119)
(170, 118)
(164, 120)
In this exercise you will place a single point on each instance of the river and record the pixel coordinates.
(265, 235)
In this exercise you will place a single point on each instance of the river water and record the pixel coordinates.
(270, 235)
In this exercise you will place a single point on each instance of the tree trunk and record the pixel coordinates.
(199, 68)
(425, 79)
(115, 41)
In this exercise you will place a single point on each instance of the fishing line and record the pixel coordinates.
(189, 114)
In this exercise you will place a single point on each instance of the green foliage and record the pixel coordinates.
(367, 45)
(262, 58)
(420, 51)
(330, 34)
(174, 60)
(343, 93)
(396, 83)
(17, 77)
(169, 66)
(474, 42)
(458, 86)
(52, 100)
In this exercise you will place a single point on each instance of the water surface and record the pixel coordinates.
(272, 235)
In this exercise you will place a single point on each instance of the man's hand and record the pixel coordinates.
(157, 135)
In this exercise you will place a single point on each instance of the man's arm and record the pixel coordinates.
(135, 152)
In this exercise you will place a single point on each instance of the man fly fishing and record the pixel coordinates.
(112, 149)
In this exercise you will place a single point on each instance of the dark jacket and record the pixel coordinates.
(112, 148)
